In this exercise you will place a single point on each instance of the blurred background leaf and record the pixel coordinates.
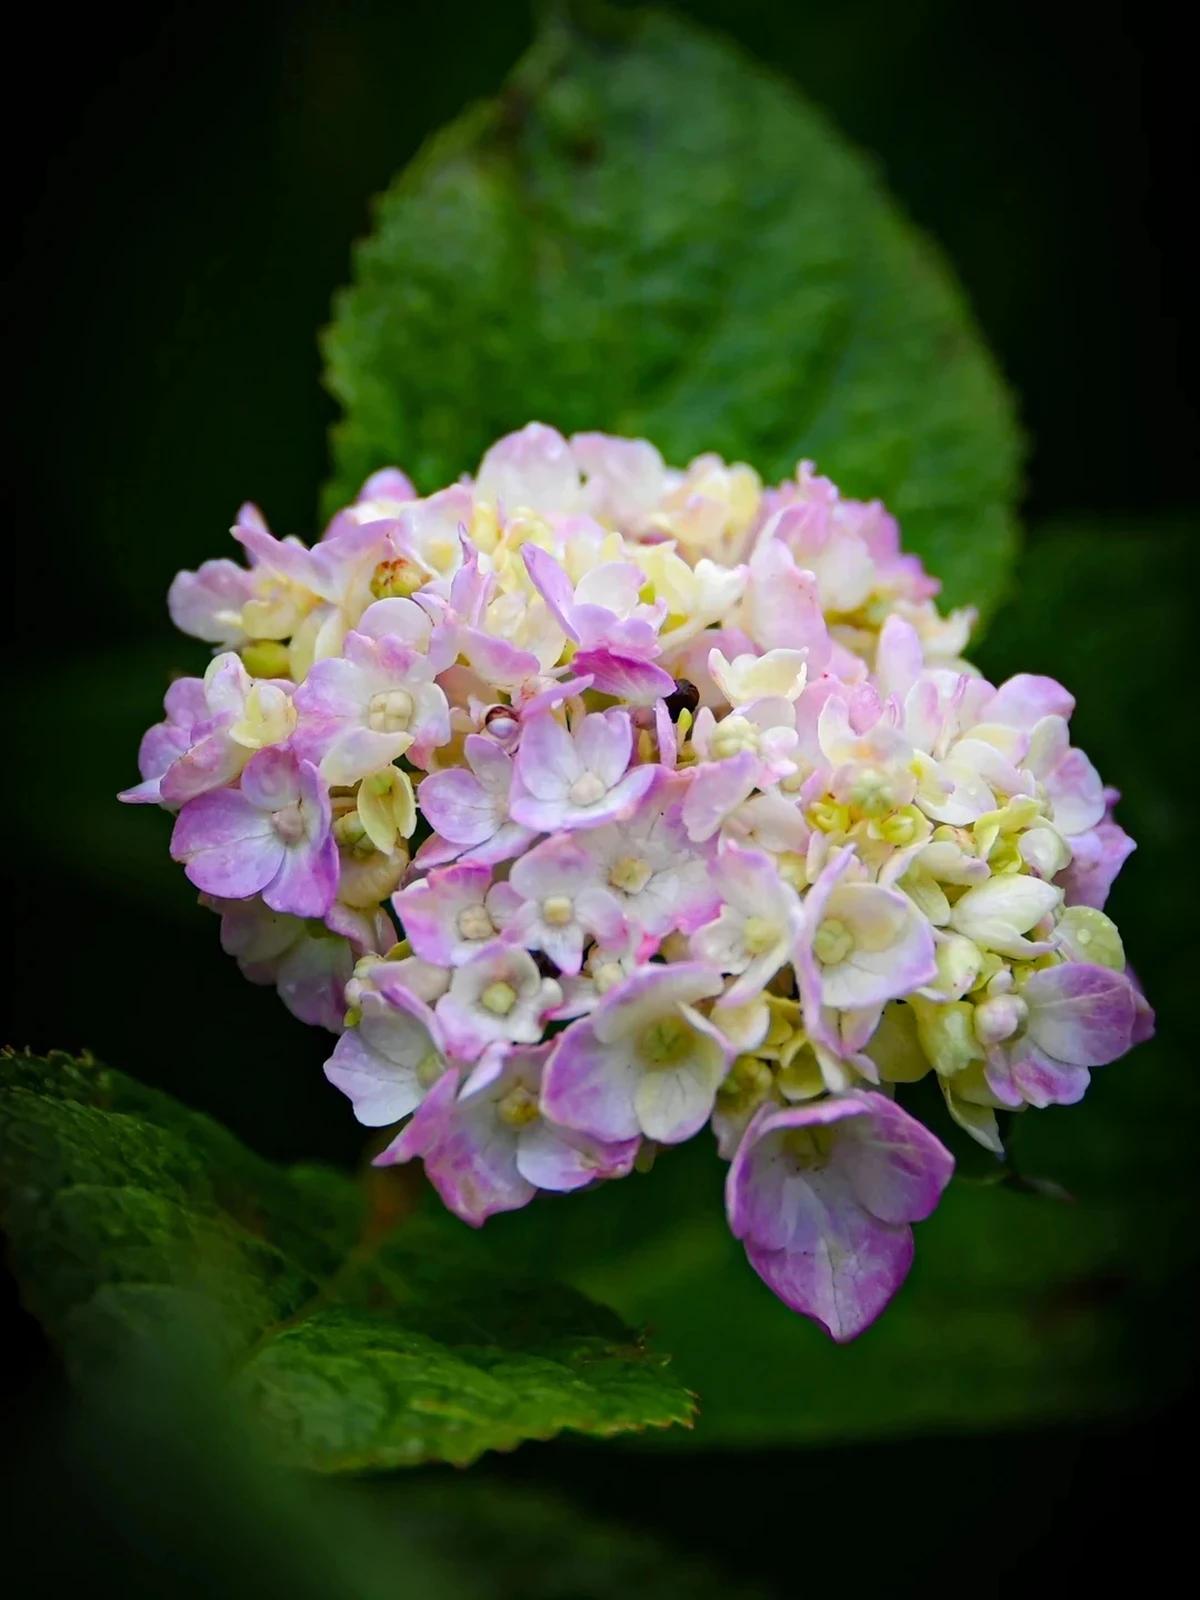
(361, 1341)
(152, 1486)
(647, 233)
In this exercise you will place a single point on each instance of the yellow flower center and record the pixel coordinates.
(586, 790)
(833, 942)
(390, 711)
(792, 869)
(873, 793)
(903, 827)
(557, 911)
(732, 736)
(759, 935)
(606, 974)
(350, 834)
(498, 998)
(811, 1147)
(829, 817)
(397, 579)
(441, 554)
(665, 1043)
(289, 823)
(474, 922)
(630, 874)
(518, 1108)
(268, 716)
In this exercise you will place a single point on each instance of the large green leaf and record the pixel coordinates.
(358, 1344)
(648, 233)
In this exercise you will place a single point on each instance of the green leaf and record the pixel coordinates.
(157, 1446)
(650, 234)
(359, 1343)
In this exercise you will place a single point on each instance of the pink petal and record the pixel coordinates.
(1097, 857)
(429, 910)
(896, 1167)
(227, 844)
(1079, 1014)
(312, 981)
(552, 583)
(531, 468)
(784, 608)
(334, 691)
(649, 993)
(590, 1086)
(846, 1279)
(212, 761)
(509, 840)
(1023, 701)
(631, 679)
(306, 883)
(1040, 1081)
(196, 600)
(429, 1124)
(458, 806)
(561, 1160)
(764, 1185)
(899, 658)
(496, 660)
(236, 871)
(605, 743)
(271, 780)
(1076, 794)
(718, 788)
(389, 483)
(547, 762)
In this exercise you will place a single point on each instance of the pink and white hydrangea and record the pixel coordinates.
(498, 996)
(645, 1061)
(270, 836)
(487, 1147)
(822, 1196)
(555, 899)
(759, 921)
(1043, 1038)
(712, 824)
(388, 1061)
(576, 778)
(468, 807)
(360, 711)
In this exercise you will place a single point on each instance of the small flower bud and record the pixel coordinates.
(960, 961)
(266, 658)
(947, 1034)
(999, 1019)
(397, 579)
(502, 723)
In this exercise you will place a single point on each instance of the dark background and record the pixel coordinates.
(189, 180)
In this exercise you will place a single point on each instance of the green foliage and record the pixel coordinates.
(153, 1482)
(361, 1341)
(648, 233)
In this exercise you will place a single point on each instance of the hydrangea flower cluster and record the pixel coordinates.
(590, 801)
